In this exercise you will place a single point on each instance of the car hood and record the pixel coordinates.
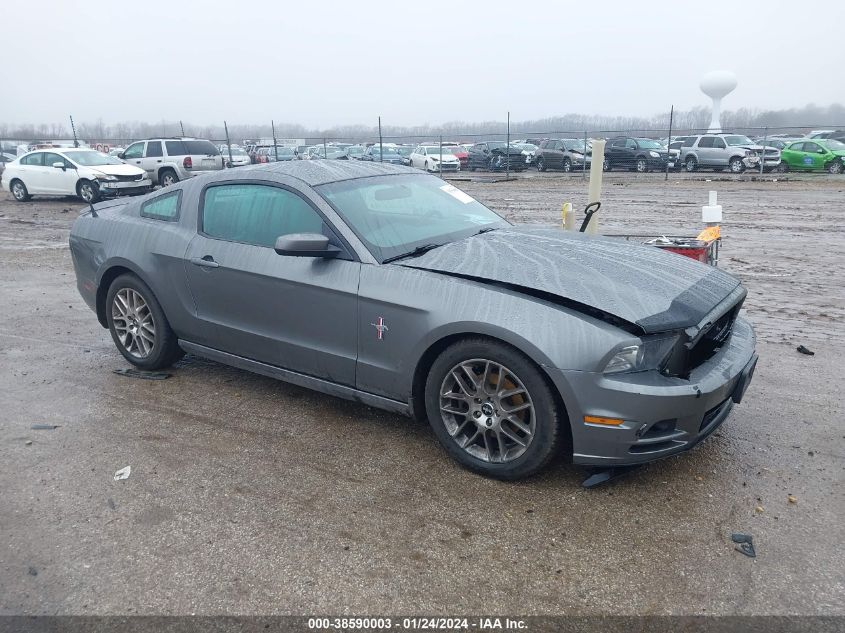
(642, 285)
(118, 170)
(511, 150)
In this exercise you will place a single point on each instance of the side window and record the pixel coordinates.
(256, 214)
(164, 207)
(719, 143)
(619, 142)
(136, 150)
(813, 148)
(706, 142)
(50, 158)
(175, 148)
(631, 144)
(689, 141)
(33, 160)
(153, 149)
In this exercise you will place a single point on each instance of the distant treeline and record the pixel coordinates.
(697, 118)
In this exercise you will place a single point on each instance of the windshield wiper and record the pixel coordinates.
(419, 250)
(486, 230)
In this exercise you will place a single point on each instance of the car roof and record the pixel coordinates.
(317, 172)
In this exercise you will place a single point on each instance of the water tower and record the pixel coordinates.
(716, 84)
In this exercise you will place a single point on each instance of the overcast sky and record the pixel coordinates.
(324, 63)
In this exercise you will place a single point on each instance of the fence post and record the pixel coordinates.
(440, 162)
(73, 129)
(508, 150)
(669, 142)
(275, 146)
(228, 143)
(325, 151)
(380, 143)
(584, 166)
(763, 157)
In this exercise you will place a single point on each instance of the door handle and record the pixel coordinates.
(207, 262)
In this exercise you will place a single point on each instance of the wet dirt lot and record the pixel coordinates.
(248, 495)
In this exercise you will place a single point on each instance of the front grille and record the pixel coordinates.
(130, 178)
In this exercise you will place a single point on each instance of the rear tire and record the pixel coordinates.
(506, 445)
(138, 327)
(167, 177)
(782, 167)
(19, 191)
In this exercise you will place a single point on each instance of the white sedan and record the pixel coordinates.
(428, 157)
(85, 173)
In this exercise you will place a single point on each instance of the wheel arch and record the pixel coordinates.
(110, 272)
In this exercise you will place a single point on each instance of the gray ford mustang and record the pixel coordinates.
(391, 287)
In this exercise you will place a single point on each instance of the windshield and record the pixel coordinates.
(92, 159)
(496, 144)
(404, 151)
(355, 149)
(393, 215)
(287, 151)
(647, 143)
(833, 144)
(236, 151)
(738, 139)
(525, 146)
(435, 151)
(384, 151)
(574, 145)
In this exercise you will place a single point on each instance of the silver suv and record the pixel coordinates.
(735, 152)
(169, 160)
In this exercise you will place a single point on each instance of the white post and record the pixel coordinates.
(594, 193)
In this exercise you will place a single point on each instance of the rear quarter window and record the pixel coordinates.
(164, 207)
(201, 147)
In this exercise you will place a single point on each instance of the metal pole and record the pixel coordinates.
(508, 150)
(669, 142)
(73, 129)
(325, 151)
(441, 156)
(763, 157)
(182, 128)
(584, 166)
(228, 142)
(275, 146)
(380, 144)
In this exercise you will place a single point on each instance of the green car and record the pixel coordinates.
(807, 155)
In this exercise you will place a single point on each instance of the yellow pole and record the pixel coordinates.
(596, 171)
(567, 217)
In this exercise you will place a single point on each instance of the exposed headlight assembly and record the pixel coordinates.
(649, 354)
(105, 177)
(654, 154)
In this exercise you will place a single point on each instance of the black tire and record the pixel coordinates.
(88, 190)
(691, 164)
(606, 166)
(541, 164)
(19, 190)
(491, 164)
(567, 165)
(641, 165)
(167, 177)
(835, 167)
(783, 167)
(165, 350)
(543, 445)
(735, 165)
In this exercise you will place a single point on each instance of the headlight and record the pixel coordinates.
(654, 154)
(650, 353)
(436, 160)
(105, 177)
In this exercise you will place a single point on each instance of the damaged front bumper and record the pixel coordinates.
(661, 415)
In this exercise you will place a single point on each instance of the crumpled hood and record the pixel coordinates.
(119, 170)
(656, 290)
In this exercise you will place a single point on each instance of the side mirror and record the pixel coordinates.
(59, 165)
(306, 245)
(121, 155)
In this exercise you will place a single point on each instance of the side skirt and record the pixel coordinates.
(295, 378)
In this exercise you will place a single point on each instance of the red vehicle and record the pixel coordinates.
(459, 151)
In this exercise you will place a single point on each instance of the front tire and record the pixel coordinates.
(492, 409)
(690, 164)
(567, 165)
(835, 167)
(736, 166)
(88, 191)
(138, 326)
(19, 191)
(641, 165)
(541, 164)
(606, 166)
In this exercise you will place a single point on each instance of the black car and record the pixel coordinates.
(495, 156)
(641, 154)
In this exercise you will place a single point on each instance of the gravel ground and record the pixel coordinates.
(249, 496)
